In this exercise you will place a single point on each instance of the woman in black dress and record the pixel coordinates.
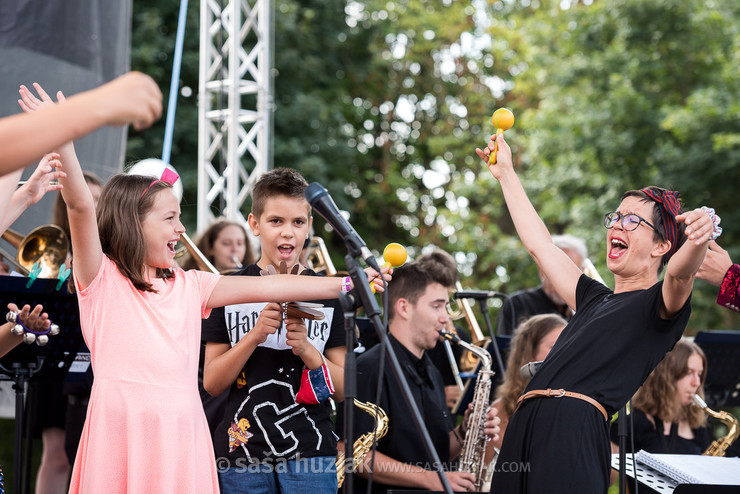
(558, 439)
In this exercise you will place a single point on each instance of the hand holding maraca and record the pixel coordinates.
(502, 119)
(394, 255)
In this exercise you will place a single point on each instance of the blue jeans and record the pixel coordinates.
(317, 475)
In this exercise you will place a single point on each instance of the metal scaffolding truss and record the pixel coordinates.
(235, 104)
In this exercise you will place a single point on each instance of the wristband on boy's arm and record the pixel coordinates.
(316, 385)
(729, 295)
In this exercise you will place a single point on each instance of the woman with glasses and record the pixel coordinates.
(558, 438)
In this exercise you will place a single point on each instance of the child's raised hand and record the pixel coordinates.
(34, 320)
(133, 98)
(42, 180)
(30, 103)
(503, 157)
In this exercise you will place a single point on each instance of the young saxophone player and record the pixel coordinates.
(417, 301)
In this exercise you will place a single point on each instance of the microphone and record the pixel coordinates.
(322, 203)
(529, 369)
(477, 294)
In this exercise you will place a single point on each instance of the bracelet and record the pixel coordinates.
(716, 229)
(346, 284)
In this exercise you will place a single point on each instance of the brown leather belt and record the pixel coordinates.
(559, 393)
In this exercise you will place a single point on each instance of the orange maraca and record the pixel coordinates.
(394, 256)
(502, 119)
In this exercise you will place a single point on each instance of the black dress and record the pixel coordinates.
(606, 352)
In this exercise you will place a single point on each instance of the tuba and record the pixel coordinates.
(363, 443)
(720, 445)
(48, 245)
(473, 454)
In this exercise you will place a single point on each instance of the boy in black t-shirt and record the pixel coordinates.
(277, 434)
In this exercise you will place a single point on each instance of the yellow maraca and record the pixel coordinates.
(502, 119)
(394, 256)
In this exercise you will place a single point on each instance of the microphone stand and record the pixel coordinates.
(350, 388)
(366, 298)
(494, 343)
(622, 434)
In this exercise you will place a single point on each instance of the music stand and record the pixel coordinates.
(655, 481)
(33, 362)
(722, 384)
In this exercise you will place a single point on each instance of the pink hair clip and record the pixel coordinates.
(168, 176)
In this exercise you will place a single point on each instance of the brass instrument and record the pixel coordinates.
(200, 260)
(473, 455)
(590, 270)
(48, 245)
(468, 360)
(318, 258)
(719, 446)
(363, 443)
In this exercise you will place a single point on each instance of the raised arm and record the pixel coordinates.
(685, 263)
(533, 233)
(38, 184)
(83, 225)
(133, 98)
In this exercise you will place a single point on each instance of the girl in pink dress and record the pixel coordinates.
(145, 429)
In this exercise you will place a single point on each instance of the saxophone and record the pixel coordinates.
(363, 443)
(719, 445)
(473, 454)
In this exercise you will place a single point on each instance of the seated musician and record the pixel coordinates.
(417, 313)
(665, 420)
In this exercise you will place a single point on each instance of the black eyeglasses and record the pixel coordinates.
(630, 221)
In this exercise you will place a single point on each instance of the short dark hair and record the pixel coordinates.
(659, 234)
(438, 261)
(278, 182)
(411, 280)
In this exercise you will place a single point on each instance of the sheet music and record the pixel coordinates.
(693, 469)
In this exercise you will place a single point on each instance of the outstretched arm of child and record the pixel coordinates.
(278, 288)
(533, 233)
(31, 192)
(35, 320)
(83, 224)
(133, 98)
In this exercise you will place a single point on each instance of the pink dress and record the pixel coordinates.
(145, 429)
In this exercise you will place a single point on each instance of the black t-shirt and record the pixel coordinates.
(523, 305)
(402, 442)
(612, 344)
(649, 439)
(261, 412)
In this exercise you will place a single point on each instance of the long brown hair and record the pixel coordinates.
(522, 350)
(124, 203)
(658, 395)
(207, 239)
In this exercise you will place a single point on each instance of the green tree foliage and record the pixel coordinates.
(383, 102)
